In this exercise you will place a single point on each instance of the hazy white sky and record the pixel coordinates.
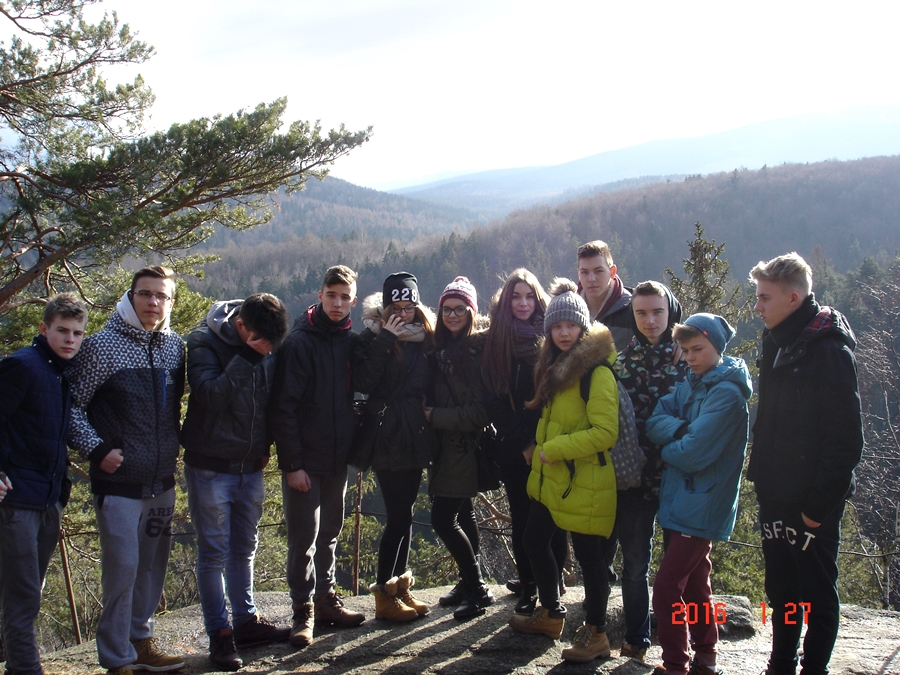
(470, 85)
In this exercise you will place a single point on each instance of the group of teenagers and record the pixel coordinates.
(541, 376)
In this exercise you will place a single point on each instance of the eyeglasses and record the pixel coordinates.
(459, 310)
(409, 309)
(146, 295)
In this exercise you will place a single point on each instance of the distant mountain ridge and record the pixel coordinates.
(853, 134)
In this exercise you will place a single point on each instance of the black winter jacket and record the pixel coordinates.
(225, 426)
(405, 440)
(311, 412)
(807, 437)
(515, 424)
(127, 384)
(34, 423)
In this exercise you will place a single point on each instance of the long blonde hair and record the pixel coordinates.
(498, 350)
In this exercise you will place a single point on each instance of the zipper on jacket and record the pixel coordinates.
(253, 410)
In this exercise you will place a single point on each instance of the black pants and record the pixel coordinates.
(399, 490)
(588, 552)
(801, 567)
(515, 480)
(453, 519)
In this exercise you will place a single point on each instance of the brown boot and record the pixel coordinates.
(388, 606)
(587, 645)
(302, 625)
(404, 582)
(539, 623)
(330, 611)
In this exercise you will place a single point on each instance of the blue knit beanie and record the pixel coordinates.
(716, 329)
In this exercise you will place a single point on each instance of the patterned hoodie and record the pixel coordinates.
(127, 384)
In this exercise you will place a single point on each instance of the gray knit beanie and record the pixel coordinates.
(566, 305)
(716, 329)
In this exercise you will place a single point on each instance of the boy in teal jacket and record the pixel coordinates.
(702, 427)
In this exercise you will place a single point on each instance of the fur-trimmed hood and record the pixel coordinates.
(372, 310)
(596, 346)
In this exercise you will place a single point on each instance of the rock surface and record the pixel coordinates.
(868, 644)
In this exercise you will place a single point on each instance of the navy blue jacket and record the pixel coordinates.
(34, 424)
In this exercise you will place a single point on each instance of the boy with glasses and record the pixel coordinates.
(127, 383)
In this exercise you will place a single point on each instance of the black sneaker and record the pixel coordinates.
(222, 652)
(258, 631)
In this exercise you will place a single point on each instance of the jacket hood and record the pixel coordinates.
(730, 370)
(675, 315)
(829, 321)
(220, 318)
(595, 346)
(126, 311)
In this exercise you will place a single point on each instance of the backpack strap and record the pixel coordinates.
(586, 379)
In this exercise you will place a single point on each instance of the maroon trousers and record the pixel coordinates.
(682, 602)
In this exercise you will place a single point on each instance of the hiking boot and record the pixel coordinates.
(121, 670)
(474, 604)
(404, 582)
(388, 606)
(455, 595)
(258, 631)
(540, 623)
(151, 657)
(330, 611)
(698, 669)
(633, 652)
(587, 645)
(222, 652)
(514, 586)
(302, 625)
(528, 600)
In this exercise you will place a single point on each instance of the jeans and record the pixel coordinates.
(225, 510)
(27, 541)
(588, 551)
(314, 521)
(682, 602)
(135, 540)
(801, 566)
(635, 517)
(515, 481)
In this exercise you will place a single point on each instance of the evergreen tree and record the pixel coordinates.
(81, 187)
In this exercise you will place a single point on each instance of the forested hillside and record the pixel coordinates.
(338, 208)
(842, 211)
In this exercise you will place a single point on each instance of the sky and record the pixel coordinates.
(472, 85)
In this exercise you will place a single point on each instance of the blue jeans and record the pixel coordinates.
(225, 510)
(634, 524)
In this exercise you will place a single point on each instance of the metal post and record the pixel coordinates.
(76, 627)
(356, 532)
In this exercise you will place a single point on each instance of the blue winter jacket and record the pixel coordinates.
(702, 427)
(34, 423)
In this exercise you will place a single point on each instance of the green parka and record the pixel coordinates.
(459, 416)
(578, 487)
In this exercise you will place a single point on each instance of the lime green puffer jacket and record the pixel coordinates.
(578, 486)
